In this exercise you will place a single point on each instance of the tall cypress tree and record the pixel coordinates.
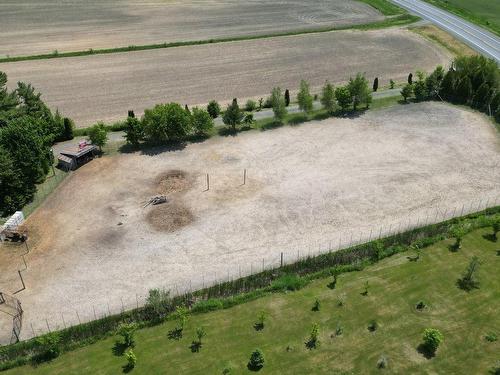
(410, 79)
(375, 85)
(287, 98)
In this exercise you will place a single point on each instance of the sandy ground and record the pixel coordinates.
(42, 26)
(104, 87)
(308, 187)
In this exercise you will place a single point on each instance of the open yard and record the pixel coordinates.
(104, 87)
(32, 27)
(95, 246)
(396, 286)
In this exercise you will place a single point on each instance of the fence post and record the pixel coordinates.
(281, 261)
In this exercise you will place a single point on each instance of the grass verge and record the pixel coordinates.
(485, 13)
(402, 19)
(442, 38)
(346, 344)
(385, 7)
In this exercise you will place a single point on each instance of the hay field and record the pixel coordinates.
(104, 87)
(94, 243)
(41, 26)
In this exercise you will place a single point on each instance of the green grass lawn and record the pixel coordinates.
(395, 286)
(485, 13)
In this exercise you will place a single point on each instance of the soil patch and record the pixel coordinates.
(173, 181)
(169, 217)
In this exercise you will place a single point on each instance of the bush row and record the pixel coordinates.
(227, 294)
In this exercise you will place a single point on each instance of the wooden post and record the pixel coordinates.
(64, 322)
(46, 321)
(244, 176)
(281, 262)
(208, 182)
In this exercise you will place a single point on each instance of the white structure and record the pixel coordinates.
(11, 225)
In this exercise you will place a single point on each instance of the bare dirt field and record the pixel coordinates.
(94, 244)
(42, 26)
(104, 87)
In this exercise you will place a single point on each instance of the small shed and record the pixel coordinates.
(71, 160)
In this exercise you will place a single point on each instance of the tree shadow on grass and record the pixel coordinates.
(272, 125)
(258, 326)
(498, 253)
(253, 367)
(195, 346)
(175, 334)
(127, 368)
(489, 237)
(425, 351)
(311, 344)
(119, 348)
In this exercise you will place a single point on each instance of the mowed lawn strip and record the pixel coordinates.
(395, 286)
(485, 13)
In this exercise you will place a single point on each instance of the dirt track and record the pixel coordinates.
(104, 87)
(42, 26)
(307, 185)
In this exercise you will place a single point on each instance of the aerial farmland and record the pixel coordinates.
(187, 176)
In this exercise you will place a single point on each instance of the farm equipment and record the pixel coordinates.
(159, 199)
(13, 229)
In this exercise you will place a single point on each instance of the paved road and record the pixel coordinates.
(481, 40)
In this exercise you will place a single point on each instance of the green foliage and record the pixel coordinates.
(250, 105)
(202, 121)
(208, 305)
(328, 98)
(360, 93)
(200, 334)
(313, 341)
(213, 109)
(373, 325)
(13, 193)
(131, 359)
(278, 104)
(495, 226)
(491, 337)
(344, 97)
(182, 316)
(287, 97)
(233, 115)
(469, 281)
(420, 87)
(49, 347)
(410, 79)
(304, 97)
(127, 331)
(68, 128)
(392, 84)
(261, 319)
(166, 122)
(432, 338)
(458, 231)
(134, 133)
(256, 360)
(159, 303)
(433, 82)
(289, 282)
(407, 92)
(248, 119)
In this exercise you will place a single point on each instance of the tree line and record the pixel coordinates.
(472, 81)
(27, 130)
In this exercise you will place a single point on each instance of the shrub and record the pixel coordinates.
(468, 280)
(365, 291)
(289, 282)
(261, 319)
(166, 122)
(420, 305)
(50, 347)
(200, 334)
(127, 331)
(233, 115)
(287, 97)
(256, 360)
(382, 362)
(458, 231)
(392, 84)
(98, 135)
(131, 359)
(158, 303)
(248, 119)
(359, 90)
(372, 326)
(432, 338)
(250, 105)
(407, 92)
(344, 97)
(134, 132)
(68, 129)
(316, 305)
(313, 341)
(278, 104)
(491, 337)
(341, 299)
(202, 121)
(304, 97)
(339, 330)
(328, 97)
(182, 316)
(213, 109)
(495, 226)
(207, 305)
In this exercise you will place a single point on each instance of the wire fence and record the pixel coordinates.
(12, 307)
(282, 254)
